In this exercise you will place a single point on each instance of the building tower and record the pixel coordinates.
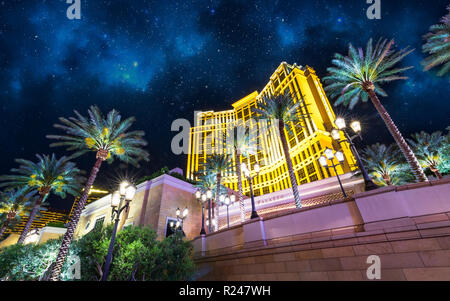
(307, 139)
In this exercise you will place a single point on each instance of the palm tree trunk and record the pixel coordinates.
(216, 205)
(240, 193)
(287, 156)
(68, 236)
(31, 218)
(387, 179)
(4, 227)
(406, 150)
(434, 170)
(438, 174)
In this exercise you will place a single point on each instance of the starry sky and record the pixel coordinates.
(161, 60)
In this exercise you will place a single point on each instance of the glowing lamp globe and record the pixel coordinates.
(340, 156)
(323, 161)
(329, 153)
(130, 192)
(232, 198)
(115, 199)
(335, 134)
(356, 126)
(340, 123)
(123, 188)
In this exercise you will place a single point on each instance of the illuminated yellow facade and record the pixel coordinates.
(307, 139)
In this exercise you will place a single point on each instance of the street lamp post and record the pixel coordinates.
(356, 127)
(201, 197)
(125, 193)
(227, 201)
(250, 178)
(209, 198)
(181, 216)
(329, 155)
(213, 224)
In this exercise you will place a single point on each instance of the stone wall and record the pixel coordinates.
(408, 227)
(155, 201)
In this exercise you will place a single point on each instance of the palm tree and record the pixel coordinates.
(438, 46)
(426, 147)
(13, 202)
(357, 77)
(242, 146)
(444, 152)
(109, 139)
(47, 175)
(281, 110)
(384, 165)
(217, 165)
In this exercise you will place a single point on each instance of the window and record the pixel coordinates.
(300, 135)
(99, 222)
(301, 174)
(282, 76)
(310, 168)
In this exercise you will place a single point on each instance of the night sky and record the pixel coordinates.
(161, 60)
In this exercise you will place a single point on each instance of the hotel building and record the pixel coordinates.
(307, 139)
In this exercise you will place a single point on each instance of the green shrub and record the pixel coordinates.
(32, 262)
(56, 224)
(137, 255)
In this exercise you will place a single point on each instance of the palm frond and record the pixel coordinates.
(385, 166)
(437, 45)
(426, 148)
(218, 164)
(59, 176)
(350, 76)
(209, 182)
(13, 202)
(97, 132)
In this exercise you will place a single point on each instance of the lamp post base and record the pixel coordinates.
(254, 215)
(203, 232)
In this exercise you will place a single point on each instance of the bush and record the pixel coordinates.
(32, 262)
(56, 224)
(137, 255)
(162, 171)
